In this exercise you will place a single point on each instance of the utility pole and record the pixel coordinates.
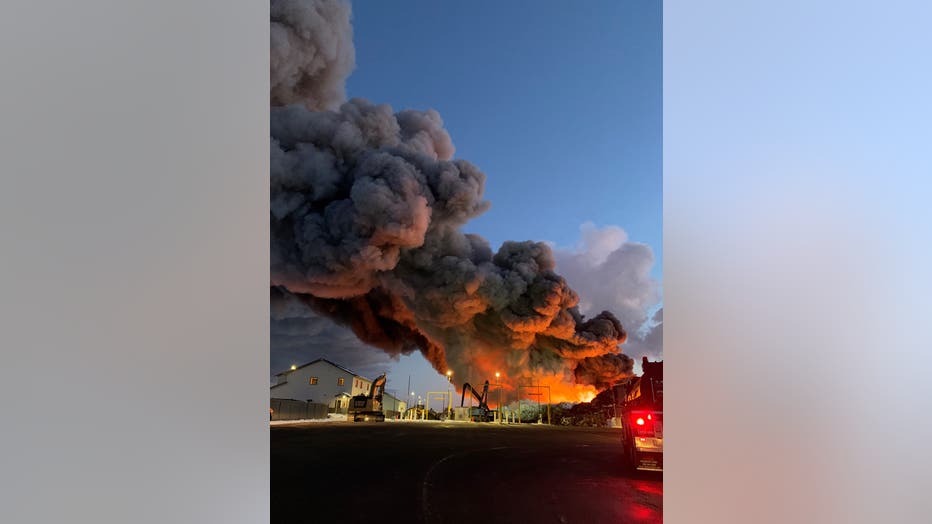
(614, 404)
(449, 393)
(540, 415)
(501, 412)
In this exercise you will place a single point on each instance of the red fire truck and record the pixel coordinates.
(642, 419)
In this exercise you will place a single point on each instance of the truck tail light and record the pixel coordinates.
(643, 424)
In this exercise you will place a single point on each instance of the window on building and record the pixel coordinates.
(312, 380)
(340, 381)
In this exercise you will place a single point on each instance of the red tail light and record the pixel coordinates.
(643, 424)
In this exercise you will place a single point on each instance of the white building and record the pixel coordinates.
(392, 404)
(321, 381)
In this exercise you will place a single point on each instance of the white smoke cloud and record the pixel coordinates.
(650, 344)
(609, 272)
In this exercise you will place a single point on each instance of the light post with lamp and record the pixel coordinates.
(501, 412)
(449, 393)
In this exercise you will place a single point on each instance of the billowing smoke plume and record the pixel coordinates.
(352, 189)
(311, 52)
(604, 370)
(299, 335)
(367, 206)
(611, 272)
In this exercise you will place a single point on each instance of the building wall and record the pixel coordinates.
(360, 386)
(390, 403)
(340, 404)
(297, 384)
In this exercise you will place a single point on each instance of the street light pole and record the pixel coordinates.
(501, 412)
(540, 416)
(449, 393)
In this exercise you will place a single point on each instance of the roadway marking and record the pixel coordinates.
(425, 484)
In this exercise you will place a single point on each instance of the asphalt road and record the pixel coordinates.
(431, 472)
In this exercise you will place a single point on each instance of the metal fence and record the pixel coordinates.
(289, 409)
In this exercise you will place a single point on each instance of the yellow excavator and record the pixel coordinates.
(365, 408)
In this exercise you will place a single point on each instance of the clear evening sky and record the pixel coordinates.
(559, 104)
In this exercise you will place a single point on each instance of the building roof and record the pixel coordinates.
(328, 362)
(387, 394)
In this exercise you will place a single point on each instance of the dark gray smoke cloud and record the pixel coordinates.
(367, 206)
(604, 370)
(298, 335)
(353, 188)
(311, 52)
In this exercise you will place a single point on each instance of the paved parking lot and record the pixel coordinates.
(434, 472)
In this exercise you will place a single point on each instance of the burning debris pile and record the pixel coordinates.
(594, 413)
(367, 206)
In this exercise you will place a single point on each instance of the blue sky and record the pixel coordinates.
(559, 106)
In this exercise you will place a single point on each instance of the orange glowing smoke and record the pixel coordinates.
(521, 382)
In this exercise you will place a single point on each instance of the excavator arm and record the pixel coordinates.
(369, 407)
(378, 385)
(481, 399)
(484, 412)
